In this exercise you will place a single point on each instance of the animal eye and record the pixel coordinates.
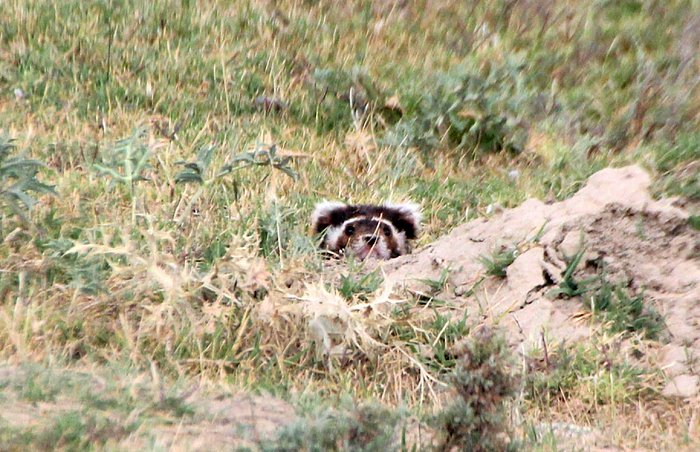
(387, 231)
(350, 230)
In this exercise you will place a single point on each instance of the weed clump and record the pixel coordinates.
(18, 182)
(484, 382)
(677, 164)
(626, 313)
(594, 373)
(472, 112)
(367, 427)
(621, 311)
(498, 261)
(361, 285)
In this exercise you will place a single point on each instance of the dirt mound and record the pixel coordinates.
(625, 238)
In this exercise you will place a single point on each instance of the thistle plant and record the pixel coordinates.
(196, 171)
(18, 181)
(126, 162)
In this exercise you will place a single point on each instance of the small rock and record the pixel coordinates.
(673, 360)
(461, 290)
(682, 386)
(492, 209)
(572, 243)
(438, 262)
(19, 94)
(525, 273)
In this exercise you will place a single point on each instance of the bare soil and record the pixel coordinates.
(643, 244)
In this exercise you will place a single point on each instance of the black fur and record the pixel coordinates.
(335, 217)
(401, 219)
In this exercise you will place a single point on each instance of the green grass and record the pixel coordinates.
(625, 312)
(498, 261)
(592, 374)
(81, 409)
(618, 306)
(362, 428)
(677, 162)
(165, 157)
(355, 283)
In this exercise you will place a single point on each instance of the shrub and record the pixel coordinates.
(484, 382)
(471, 112)
(367, 427)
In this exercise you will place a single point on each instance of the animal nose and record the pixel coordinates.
(371, 239)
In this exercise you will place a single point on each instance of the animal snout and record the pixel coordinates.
(371, 240)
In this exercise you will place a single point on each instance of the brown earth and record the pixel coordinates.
(213, 420)
(645, 245)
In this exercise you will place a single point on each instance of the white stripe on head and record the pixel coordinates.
(380, 220)
(332, 236)
(383, 220)
(325, 208)
(410, 208)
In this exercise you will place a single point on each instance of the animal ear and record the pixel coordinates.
(328, 213)
(406, 217)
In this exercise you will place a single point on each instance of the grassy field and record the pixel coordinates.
(160, 161)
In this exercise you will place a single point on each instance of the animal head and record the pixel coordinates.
(366, 231)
